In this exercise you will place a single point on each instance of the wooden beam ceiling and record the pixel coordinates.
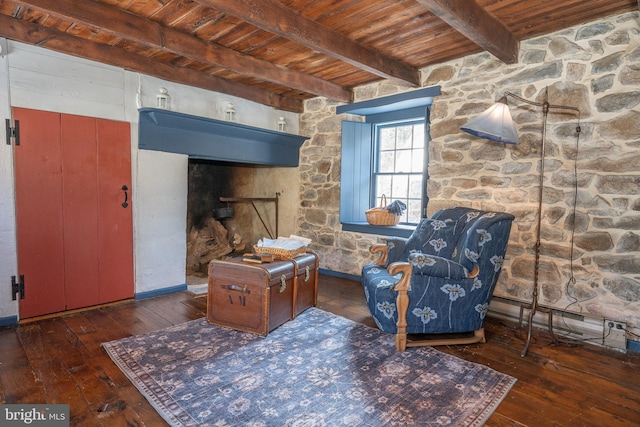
(478, 25)
(283, 52)
(274, 17)
(154, 35)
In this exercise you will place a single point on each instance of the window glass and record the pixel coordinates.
(399, 166)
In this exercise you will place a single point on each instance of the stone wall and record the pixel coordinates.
(595, 67)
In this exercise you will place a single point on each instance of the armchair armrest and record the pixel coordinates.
(391, 251)
(405, 269)
(383, 252)
(402, 301)
(432, 265)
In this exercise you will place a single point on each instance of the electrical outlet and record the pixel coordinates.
(615, 334)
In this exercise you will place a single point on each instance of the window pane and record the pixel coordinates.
(415, 187)
(383, 185)
(413, 211)
(386, 162)
(400, 186)
(387, 138)
(418, 135)
(404, 161)
(417, 159)
(404, 137)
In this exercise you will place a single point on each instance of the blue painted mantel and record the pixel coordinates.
(211, 139)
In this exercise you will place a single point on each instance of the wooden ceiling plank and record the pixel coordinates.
(478, 25)
(184, 16)
(34, 34)
(274, 17)
(126, 25)
(171, 12)
(551, 14)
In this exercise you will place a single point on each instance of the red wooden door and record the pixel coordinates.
(86, 256)
(115, 222)
(80, 210)
(38, 175)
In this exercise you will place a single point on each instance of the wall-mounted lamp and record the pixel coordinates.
(230, 113)
(496, 124)
(163, 100)
(282, 124)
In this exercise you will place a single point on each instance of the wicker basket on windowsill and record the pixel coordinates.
(381, 216)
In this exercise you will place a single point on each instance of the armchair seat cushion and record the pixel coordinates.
(435, 303)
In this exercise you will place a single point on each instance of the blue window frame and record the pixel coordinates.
(399, 167)
(359, 156)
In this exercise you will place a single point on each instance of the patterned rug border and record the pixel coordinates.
(176, 415)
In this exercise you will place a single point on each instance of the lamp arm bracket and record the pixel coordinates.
(526, 101)
(542, 104)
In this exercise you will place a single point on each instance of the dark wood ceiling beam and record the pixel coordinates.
(274, 17)
(152, 34)
(474, 22)
(22, 31)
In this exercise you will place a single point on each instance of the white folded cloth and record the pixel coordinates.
(290, 243)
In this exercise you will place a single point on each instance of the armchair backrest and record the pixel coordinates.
(476, 232)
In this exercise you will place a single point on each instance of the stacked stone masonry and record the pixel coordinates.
(594, 67)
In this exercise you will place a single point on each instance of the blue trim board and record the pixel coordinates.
(163, 291)
(633, 345)
(400, 101)
(205, 138)
(8, 321)
(339, 274)
(399, 115)
(382, 230)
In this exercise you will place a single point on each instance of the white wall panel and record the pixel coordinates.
(160, 203)
(8, 255)
(46, 80)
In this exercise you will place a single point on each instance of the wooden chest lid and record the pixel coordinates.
(309, 260)
(271, 272)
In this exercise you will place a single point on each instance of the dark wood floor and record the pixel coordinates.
(60, 360)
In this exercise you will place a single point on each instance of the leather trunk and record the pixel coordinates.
(250, 297)
(306, 282)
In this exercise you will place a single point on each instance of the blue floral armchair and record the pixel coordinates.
(440, 280)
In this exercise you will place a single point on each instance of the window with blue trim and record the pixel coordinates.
(399, 165)
(386, 154)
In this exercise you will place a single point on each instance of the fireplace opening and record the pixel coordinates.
(230, 207)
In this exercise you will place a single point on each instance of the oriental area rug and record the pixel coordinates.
(316, 370)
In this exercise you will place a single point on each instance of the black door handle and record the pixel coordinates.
(126, 196)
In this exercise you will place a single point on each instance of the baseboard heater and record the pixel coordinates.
(584, 328)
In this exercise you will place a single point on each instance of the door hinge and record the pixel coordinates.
(13, 132)
(17, 287)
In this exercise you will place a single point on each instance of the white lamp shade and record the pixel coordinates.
(495, 124)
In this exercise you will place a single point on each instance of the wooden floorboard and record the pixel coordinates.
(61, 360)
